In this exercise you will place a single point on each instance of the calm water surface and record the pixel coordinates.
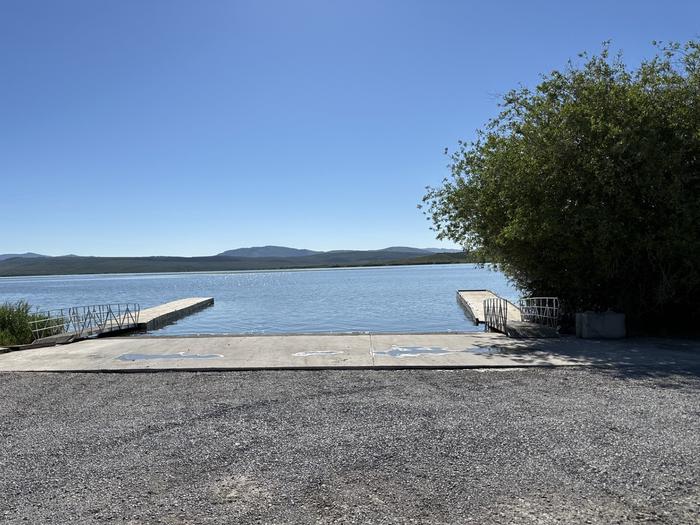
(386, 299)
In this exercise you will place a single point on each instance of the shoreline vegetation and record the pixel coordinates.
(72, 265)
(585, 187)
(16, 320)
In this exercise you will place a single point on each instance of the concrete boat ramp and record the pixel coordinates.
(345, 351)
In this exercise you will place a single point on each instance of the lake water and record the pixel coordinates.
(377, 299)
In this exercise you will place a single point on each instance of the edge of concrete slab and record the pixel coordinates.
(298, 334)
(303, 368)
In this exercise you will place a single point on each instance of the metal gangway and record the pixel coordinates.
(79, 322)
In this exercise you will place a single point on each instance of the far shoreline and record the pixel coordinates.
(243, 271)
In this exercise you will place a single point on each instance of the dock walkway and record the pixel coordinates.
(159, 316)
(82, 322)
(473, 303)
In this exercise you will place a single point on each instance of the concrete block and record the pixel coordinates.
(606, 325)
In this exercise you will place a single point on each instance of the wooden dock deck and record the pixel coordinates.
(473, 303)
(159, 316)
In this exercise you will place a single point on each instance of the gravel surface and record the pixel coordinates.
(509, 446)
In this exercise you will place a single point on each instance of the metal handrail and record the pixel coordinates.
(496, 314)
(84, 321)
(540, 310)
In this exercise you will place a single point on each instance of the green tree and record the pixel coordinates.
(588, 186)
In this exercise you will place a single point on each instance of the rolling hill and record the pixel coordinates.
(267, 251)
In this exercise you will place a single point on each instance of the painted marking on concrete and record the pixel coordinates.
(422, 351)
(413, 351)
(317, 352)
(156, 357)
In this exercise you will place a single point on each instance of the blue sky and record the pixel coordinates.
(187, 128)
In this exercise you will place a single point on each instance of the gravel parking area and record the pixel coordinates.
(565, 445)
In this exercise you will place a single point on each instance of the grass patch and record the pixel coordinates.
(15, 328)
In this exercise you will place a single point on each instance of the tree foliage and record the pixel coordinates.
(588, 186)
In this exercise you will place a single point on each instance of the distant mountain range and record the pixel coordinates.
(28, 255)
(253, 258)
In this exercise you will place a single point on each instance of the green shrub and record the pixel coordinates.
(15, 328)
(17, 322)
(587, 188)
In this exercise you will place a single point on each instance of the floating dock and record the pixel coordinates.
(473, 303)
(159, 316)
(67, 325)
